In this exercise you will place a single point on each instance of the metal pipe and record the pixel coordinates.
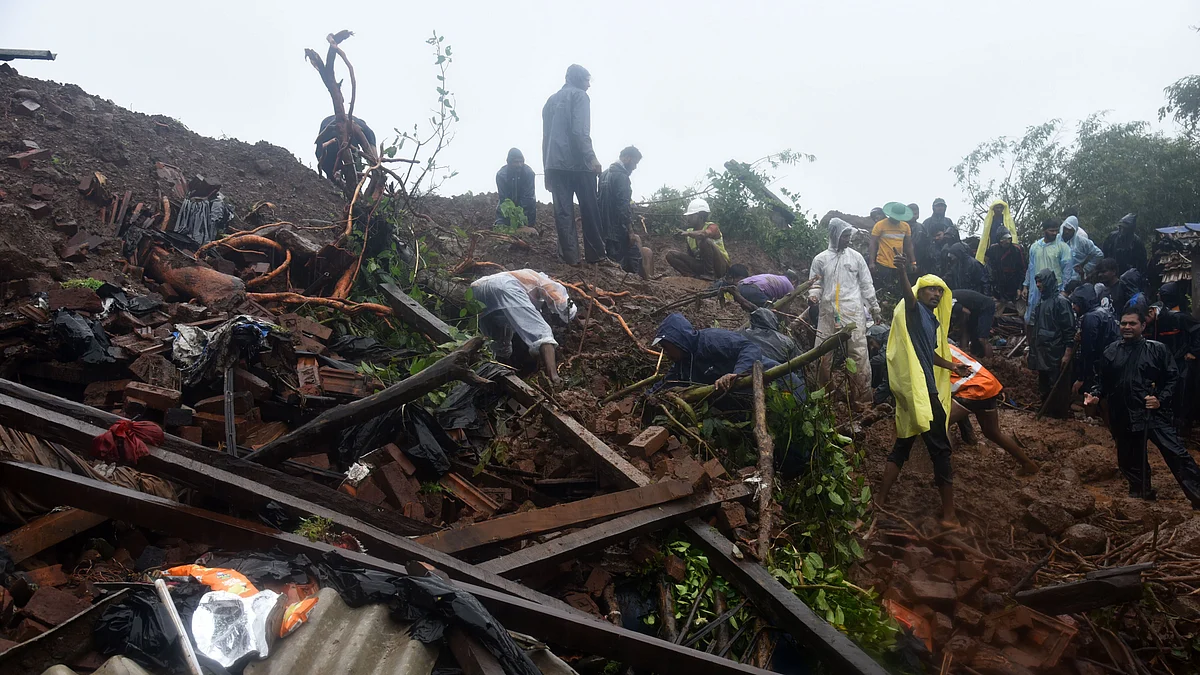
(189, 655)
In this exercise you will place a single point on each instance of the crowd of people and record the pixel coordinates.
(1088, 319)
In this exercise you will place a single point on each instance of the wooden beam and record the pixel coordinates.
(167, 465)
(453, 366)
(789, 612)
(238, 489)
(522, 525)
(556, 624)
(472, 657)
(414, 314)
(53, 528)
(581, 542)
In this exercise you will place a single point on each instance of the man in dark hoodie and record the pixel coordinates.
(764, 332)
(616, 193)
(1123, 292)
(1006, 271)
(710, 356)
(1125, 246)
(571, 167)
(327, 145)
(1097, 330)
(1136, 377)
(515, 181)
(1175, 327)
(964, 271)
(924, 234)
(1051, 331)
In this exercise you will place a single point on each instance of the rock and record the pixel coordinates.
(1084, 539)
(597, 581)
(86, 102)
(1093, 463)
(1188, 537)
(22, 94)
(933, 593)
(26, 108)
(262, 166)
(17, 264)
(1042, 516)
(52, 607)
(731, 515)
(966, 615)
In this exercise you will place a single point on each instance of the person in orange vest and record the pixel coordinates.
(980, 393)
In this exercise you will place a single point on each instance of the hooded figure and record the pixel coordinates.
(1006, 268)
(571, 167)
(616, 193)
(877, 339)
(1052, 332)
(1125, 246)
(515, 181)
(843, 289)
(992, 229)
(707, 355)
(923, 236)
(1180, 334)
(764, 332)
(327, 155)
(1097, 330)
(1085, 254)
(963, 271)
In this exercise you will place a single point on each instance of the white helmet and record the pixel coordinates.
(697, 206)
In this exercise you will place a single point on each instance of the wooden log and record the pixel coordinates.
(596, 537)
(40, 534)
(766, 463)
(553, 622)
(1083, 596)
(453, 366)
(523, 525)
(472, 657)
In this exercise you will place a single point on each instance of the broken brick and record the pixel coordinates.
(645, 551)
(78, 246)
(158, 398)
(29, 629)
(934, 593)
(730, 516)
(650, 441)
(69, 228)
(38, 209)
(714, 469)
(52, 607)
(597, 581)
(400, 458)
(42, 191)
(78, 299)
(104, 394)
(191, 433)
(675, 568)
(51, 576)
(27, 108)
(22, 160)
(966, 615)
(583, 603)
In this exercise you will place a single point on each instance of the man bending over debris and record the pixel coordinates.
(706, 255)
(515, 181)
(759, 290)
(764, 332)
(843, 289)
(1136, 377)
(327, 151)
(918, 358)
(511, 303)
(981, 393)
(710, 356)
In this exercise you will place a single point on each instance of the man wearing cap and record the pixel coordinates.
(616, 192)
(842, 287)
(706, 255)
(571, 167)
(1125, 246)
(924, 235)
(889, 238)
(514, 181)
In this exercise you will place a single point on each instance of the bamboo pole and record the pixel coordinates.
(766, 463)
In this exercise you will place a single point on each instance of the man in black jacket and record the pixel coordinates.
(1136, 377)
(1125, 246)
(616, 193)
(514, 181)
(1172, 325)
(571, 167)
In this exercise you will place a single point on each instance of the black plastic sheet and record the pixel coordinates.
(139, 628)
(410, 427)
(202, 219)
(80, 339)
(466, 406)
(357, 348)
(137, 305)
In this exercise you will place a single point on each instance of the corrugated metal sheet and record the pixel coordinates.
(117, 665)
(337, 639)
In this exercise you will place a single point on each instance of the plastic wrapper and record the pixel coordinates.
(216, 578)
(137, 305)
(188, 345)
(356, 349)
(410, 427)
(241, 336)
(229, 628)
(127, 440)
(466, 406)
(81, 340)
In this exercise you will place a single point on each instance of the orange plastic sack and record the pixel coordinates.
(295, 615)
(216, 578)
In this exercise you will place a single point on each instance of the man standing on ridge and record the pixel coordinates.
(924, 235)
(616, 193)
(571, 167)
(1047, 253)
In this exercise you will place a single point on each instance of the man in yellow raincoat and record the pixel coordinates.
(919, 364)
(999, 214)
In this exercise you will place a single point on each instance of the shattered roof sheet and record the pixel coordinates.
(338, 639)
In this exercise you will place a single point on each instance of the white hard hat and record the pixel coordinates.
(697, 206)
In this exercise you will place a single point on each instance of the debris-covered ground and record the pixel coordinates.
(518, 489)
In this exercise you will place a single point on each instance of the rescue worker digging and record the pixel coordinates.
(843, 290)
(706, 256)
(1137, 378)
(980, 393)
(919, 365)
(511, 302)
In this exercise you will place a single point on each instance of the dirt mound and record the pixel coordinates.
(86, 134)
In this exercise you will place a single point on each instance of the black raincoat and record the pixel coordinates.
(1006, 270)
(764, 332)
(567, 126)
(517, 185)
(616, 217)
(964, 271)
(1052, 325)
(1126, 374)
(1097, 330)
(1125, 246)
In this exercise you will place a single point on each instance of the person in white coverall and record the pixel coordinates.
(842, 287)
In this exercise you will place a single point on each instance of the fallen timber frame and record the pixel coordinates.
(587, 540)
(549, 623)
(181, 449)
(754, 580)
(236, 489)
(528, 523)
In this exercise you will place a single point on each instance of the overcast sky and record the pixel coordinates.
(887, 96)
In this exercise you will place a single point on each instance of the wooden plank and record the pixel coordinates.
(53, 528)
(453, 366)
(464, 491)
(522, 525)
(597, 537)
(471, 656)
(554, 623)
(296, 495)
(414, 314)
(789, 612)
(1084, 595)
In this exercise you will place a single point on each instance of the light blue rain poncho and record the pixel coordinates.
(1084, 252)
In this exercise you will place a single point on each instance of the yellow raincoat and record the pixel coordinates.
(985, 239)
(914, 411)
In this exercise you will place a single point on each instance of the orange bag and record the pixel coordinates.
(216, 578)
